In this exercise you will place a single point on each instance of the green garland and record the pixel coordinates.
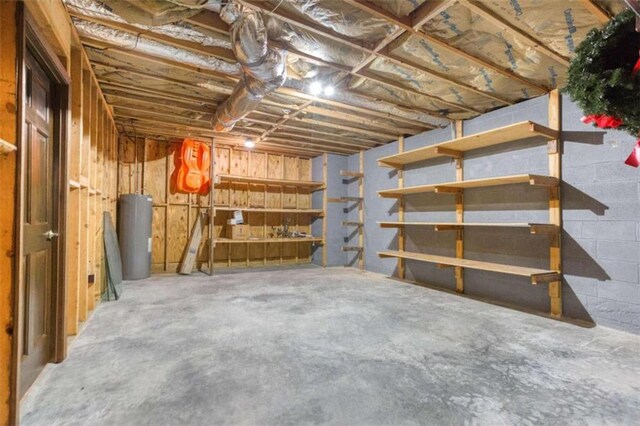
(599, 78)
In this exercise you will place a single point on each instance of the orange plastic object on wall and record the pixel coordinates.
(195, 159)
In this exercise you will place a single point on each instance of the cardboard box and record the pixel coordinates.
(238, 232)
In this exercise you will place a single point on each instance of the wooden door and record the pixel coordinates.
(39, 235)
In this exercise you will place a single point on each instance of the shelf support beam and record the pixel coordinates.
(555, 207)
(459, 195)
(449, 190)
(361, 210)
(401, 202)
(439, 228)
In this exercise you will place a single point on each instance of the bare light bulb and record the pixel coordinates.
(248, 143)
(329, 90)
(315, 88)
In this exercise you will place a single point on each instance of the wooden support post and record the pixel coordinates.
(361, 211)
(324, 209)
(211, 214)
(74, 279)
(555, 207)
(459, 271)
(401, 231)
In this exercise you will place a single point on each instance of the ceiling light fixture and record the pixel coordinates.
(328, 90)
(315, 88)
(248, 143)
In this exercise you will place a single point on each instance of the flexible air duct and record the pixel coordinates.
(264, 68)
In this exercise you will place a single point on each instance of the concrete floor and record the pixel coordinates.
(311, 345)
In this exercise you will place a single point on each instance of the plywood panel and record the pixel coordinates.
(223, 157)
(258, 162)
(239, 195)
(178, 232)
(155, 171)
(304, 199)
(274, 166)
(290, 198)
(239, 163)
(257, 195)
(291, 168)
(304, 169)
(274, 197)
(158, 237)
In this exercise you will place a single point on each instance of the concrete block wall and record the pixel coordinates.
(352, 210)
(601, 213)
(335, 211)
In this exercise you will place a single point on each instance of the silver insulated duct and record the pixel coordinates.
(263, 68)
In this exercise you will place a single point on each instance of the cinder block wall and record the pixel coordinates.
(601, 213)
(335, 211)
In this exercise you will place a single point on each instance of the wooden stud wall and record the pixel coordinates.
(148, 166)
(92, 191)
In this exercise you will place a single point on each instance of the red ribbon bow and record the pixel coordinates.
(633, 159)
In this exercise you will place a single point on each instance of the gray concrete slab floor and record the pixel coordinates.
(331, 346)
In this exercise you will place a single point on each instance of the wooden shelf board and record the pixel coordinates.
(344, 199)
(84, 182)
(268, 210)
(349, 173)
(347, 223)
(73, 184)
(266, 181)
(474, 183)
(6, 147)
(535, 228)
(536, 275)
(269, 240)
(511, 133)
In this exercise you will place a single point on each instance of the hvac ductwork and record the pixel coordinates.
(264, 68)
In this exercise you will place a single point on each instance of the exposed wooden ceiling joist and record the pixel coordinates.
(377, 52)
(191, 46)
(203, 128)
(101, 44)
(537, 45)
(428, 10)
(178, 131)
(597, 11)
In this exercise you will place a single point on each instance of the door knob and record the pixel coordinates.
(50, 235)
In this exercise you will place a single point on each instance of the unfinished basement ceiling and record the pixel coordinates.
(398, 67)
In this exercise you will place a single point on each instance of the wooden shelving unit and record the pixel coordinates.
(454, 187)
(266, 181)
(271, 190)
(315, 212)
(269, 240)
(455, 149)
